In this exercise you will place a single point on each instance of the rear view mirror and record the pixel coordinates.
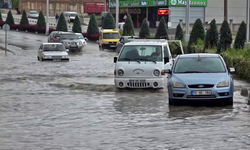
(115, 59)
(166, 59)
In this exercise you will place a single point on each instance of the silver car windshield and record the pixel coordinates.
(33, 12)
(141, 53)
(54, 47)
(80, 36)
(199, 65)
(68, 36)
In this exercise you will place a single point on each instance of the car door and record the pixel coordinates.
(167, 56)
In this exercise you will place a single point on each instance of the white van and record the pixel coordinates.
(141, 64)
(70, 16)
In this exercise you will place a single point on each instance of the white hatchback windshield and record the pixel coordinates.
(54, 47)
(141, 53)
(199, 65)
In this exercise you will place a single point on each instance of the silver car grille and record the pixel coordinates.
(73, 43)
(138, 85)
(56, 57)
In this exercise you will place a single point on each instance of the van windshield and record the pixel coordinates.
(73, 15)
(111, 36)
(141, 53)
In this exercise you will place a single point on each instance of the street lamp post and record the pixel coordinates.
(47, 15)
(116, 13)
(187, 20)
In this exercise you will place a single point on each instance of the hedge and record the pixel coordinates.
(240, 60)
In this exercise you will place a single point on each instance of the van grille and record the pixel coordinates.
(138, 85)
(112, 42)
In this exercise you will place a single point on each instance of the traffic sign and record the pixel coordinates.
(6, 27)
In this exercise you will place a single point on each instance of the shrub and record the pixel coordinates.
(197, 47)
(92, 28)
(29, 28)
(77, 28)
(14, 26)
(109, 22)
(207, 39)
(2, 23)
(62, 25)
(225, 37)
(240, 37)
(10, 19)
(144, 32)
(41, 20)
(179, 33)
(128, 28)
(24, 20)
(196, 33)
(162, 29)
(213, 39)
(1, 18)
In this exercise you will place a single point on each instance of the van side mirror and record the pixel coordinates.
(166, 59)
(115, 59)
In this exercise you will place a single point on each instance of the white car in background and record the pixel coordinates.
(53, 52)
(82, 39)
(33, 14)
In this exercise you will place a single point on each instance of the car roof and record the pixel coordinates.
(147, 42)
(52, 43)
(198, 55)
(109, 30)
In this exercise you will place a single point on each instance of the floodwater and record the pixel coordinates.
(74, 106)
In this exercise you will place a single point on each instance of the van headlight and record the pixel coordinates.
(120, 72)
(178, 85)
(223, 84)
(156, 72)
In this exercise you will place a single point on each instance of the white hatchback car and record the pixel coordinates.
(53, 52)
(141, 64)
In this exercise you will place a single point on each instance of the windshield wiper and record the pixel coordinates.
(193, 72)
(148, 60)
(128, 59)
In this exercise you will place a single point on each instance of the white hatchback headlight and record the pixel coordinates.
(223, 84)
(178, 85)
(156, 72)
(120, 72)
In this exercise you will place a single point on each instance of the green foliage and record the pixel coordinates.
(179, 33)
(197, 33)
(109, 22)
(162, 29)
(213, 33)
(198, 47)
(24, 19)
(225, 37)
(128, 28)
(92, 28)
(175, 49)
(241, 36)
(77, 28)
(240, 60)
(62, 25)
(41, 20)
(207, 39)
(15, 3)
(144, 32)
(10, 19)
(1, 18)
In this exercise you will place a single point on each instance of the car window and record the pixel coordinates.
(201, 64)
(111, 36)
(54, 47)
(166, 52)
(141, 53)
(80, 36)
(41, 46)
(68, 36)
(73, 15)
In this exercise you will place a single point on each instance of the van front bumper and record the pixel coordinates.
(140, 83)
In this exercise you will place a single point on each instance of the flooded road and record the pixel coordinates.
(74, 106)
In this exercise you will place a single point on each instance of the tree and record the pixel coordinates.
(41, 20)
(10, 19)
(15, 3)
(207, 39)
(24, 19)
(109, 22)
(144, 32)
(1, 18)
(62, 25)
(128, 28)
(77, 25)
(196, 33)
(162, 29)
(213, 33)
(92, 28)
(240, 37)
(225, 36)
(179, 33)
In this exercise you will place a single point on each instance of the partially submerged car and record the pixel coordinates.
(53, 52)
(200, 77)
(82, 39)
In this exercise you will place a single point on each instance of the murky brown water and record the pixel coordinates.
(74, 105)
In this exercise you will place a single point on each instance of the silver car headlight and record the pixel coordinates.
(178, 85)
(65, 43)
(120, 72)
(156, 72)
(223, 84)
(80, 43)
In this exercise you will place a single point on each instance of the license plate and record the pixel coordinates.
(137, 81)
(56, 59)
(112, 45)
(201, 92)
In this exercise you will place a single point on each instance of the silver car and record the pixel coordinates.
(33, 14)
(70, 41)
(53, 52)
(82, 39)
